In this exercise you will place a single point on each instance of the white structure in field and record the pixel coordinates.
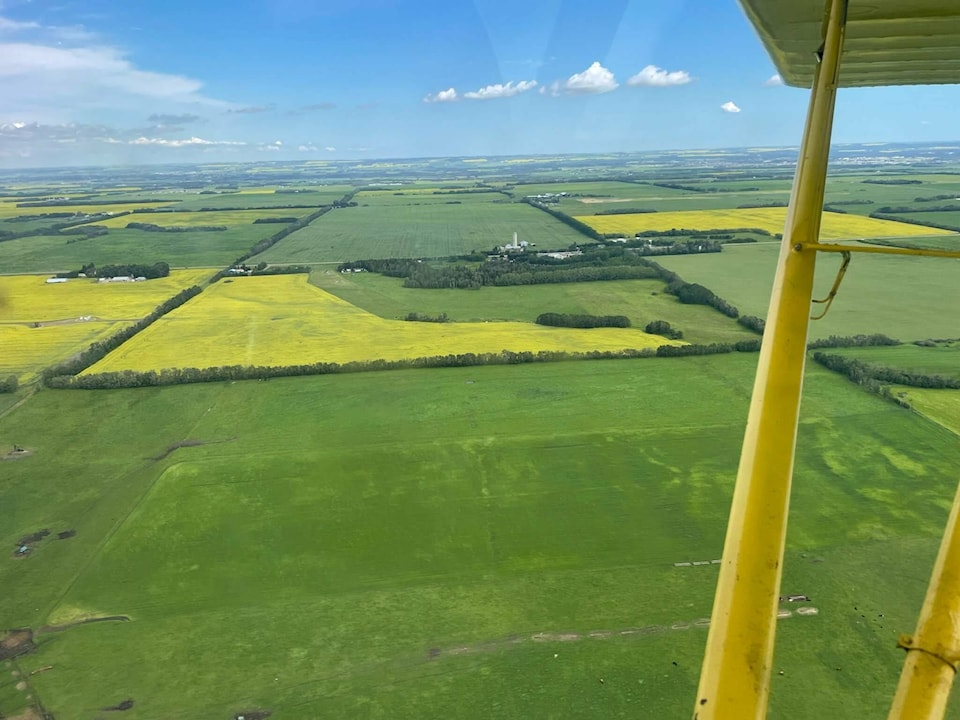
(515, 245)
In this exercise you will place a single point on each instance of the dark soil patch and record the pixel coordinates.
(108, 618)
(16, 642)
(33, 537)
(125, 705)
(17, 453)
(177, 446)
(252, 715)
(66, 534)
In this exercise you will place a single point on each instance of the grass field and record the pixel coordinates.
(59, 253)
(462, 543)
(640, 300)
(419, 231)
(903, 297)
(313, 197)
(426, 196)
(229, 218)
(10, 209)
(941, 406)
(835, 226)
(939, 360)
(282, 320)
(25, 300)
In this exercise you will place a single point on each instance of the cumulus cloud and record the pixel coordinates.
(652, 76)
(730, 107)
(448, 95)
(509, 89)
(170, 119)
(773, 81)
(594, 80)
(184, 142)
(330, 148)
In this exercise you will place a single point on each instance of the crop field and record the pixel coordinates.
(229, 218)
(835, 226)
(282, 320)
(903, 297)
(418, 231)
(941, 406)
(58, 253)
(950, 219)
(301, 546)
(641, 300)
(72, 315)
(10, 209)
(944, 359)
(251, 200)
(600, 192)
(430, 196)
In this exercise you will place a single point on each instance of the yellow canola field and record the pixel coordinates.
(29, 298)
(72, 315)
(229, 218)
(27, 350)
(282, 320)
(10, 209)
(836, 226)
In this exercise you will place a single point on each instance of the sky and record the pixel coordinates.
(106, 82)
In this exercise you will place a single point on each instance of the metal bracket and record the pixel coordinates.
(836, 286)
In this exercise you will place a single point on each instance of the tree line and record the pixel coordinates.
(580, 227)
(180, 376)
(150, 272)
(150, 227)
(863, 372)
(569, 320)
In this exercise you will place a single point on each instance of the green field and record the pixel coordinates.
(181, 249)
(324, 556)
(903, 297)
(641, 300)
(265, 199)
(419, 231)
(426, 196)
(940, 360)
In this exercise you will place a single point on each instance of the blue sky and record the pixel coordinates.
(106, 82)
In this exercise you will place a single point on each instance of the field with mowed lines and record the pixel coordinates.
(282, 320)
(836, 226)
(42, 324)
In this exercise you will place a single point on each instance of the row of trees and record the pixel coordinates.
(752, 322)
(52, 376)
(691, 293)
(843, 341)
(150, 227)
(860, 372)
(580, 227)
(553, 319)
(421, 317)
(664, 329)
(179, 376)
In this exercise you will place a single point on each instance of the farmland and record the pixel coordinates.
(641, 300)
(903, 297)
(10, 209)
(228, 218)
(835, 226)
(419, 231)
(72, 315)
(512, 507)
(282, 320)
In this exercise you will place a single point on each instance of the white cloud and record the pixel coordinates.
(773, 81)
(730, 107)
(595, 79)
(14, 26)
(185, 142)
(448, 95)
(499, 90)
(330, 148)
(307, 148)
(652, 76)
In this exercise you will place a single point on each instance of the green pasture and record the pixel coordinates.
(943, 359)
(387, 231)
(465, 543)
(52, 253)
(903, 297)
(641, 300)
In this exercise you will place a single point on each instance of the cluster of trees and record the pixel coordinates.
(84, 232)
(53, 376)
(262, 269)
(843, 341)
(9, 384)
(862, 373)
(906, 209)
(420, 317)
(752, 322)
(772, 203)
(852, 202)
(266, 220)
(664, 329)
(711, 349)
(150, 272)
(150, 227)
(892, 181)
(582, 321)
(624, 211)
(687, 232)
(936, 198)
(580, 227)
(700, 188)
